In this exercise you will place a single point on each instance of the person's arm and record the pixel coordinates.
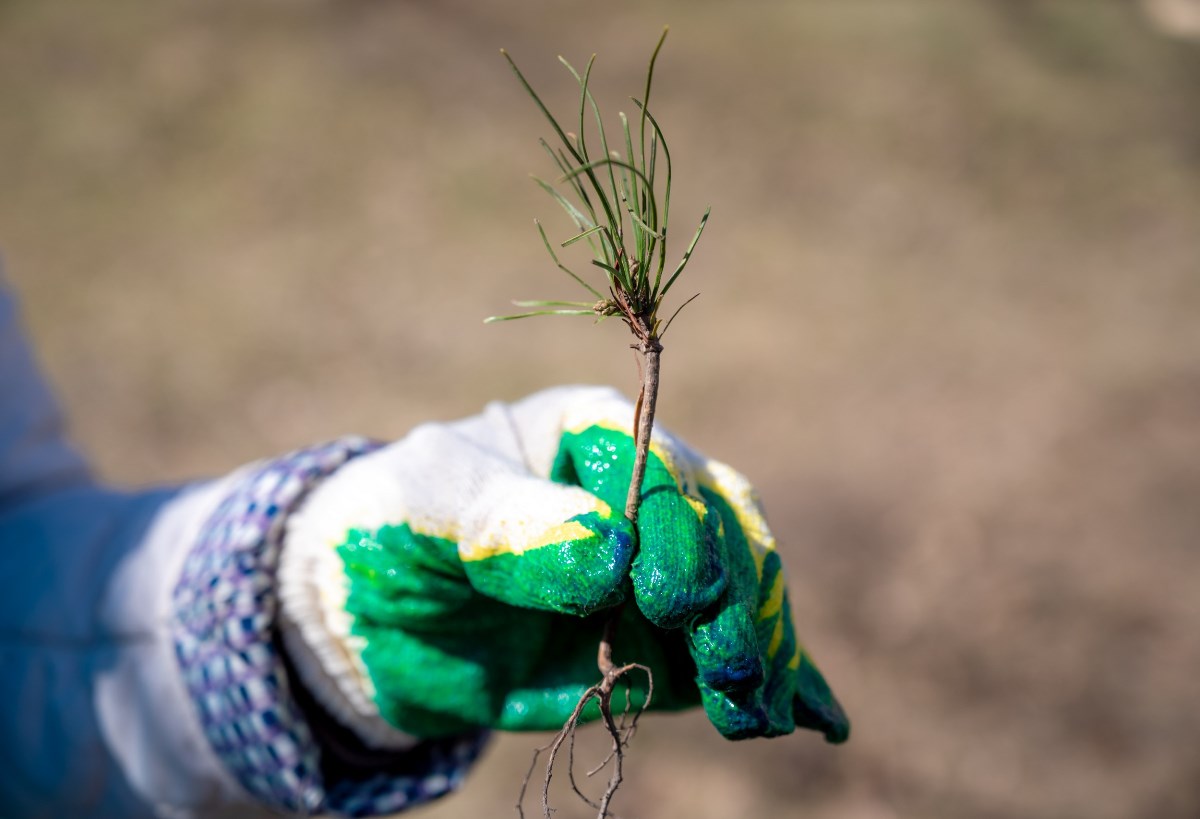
(139, 667)
(34, 453)
(71, 652)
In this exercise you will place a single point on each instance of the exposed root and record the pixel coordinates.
(620, 733)
(626, 732)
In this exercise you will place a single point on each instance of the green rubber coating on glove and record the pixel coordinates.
(400, 580)
(445, 658)
(547, 699)
(509, 640)
(775, 697)
(677, 572)
(725, 643)
(736, 716)
(815, 706)
(410, 599)
(576, 576)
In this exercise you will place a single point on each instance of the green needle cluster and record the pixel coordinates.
(614, 201)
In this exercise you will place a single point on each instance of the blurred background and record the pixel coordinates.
(949, 323)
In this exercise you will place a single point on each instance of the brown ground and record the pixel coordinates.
(949, 324)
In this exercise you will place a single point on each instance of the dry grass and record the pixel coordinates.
(970, 391)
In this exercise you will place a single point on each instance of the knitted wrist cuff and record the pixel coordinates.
(226, 644)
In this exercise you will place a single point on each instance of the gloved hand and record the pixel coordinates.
(461, 578)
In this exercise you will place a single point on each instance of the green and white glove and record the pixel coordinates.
(461, 577)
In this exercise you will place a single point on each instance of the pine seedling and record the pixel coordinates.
(615, 203)
(619, 204)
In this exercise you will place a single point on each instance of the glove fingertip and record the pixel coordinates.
(581, 566)
(828, 718)
(735, 717)
(671, 605)
(816, 707)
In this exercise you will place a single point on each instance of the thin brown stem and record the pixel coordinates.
(651, 351)
(604, 660)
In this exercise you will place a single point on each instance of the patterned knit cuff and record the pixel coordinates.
(226, 644)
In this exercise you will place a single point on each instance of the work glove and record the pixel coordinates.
(462, 578)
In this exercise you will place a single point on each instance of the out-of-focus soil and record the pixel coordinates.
(949, 323)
